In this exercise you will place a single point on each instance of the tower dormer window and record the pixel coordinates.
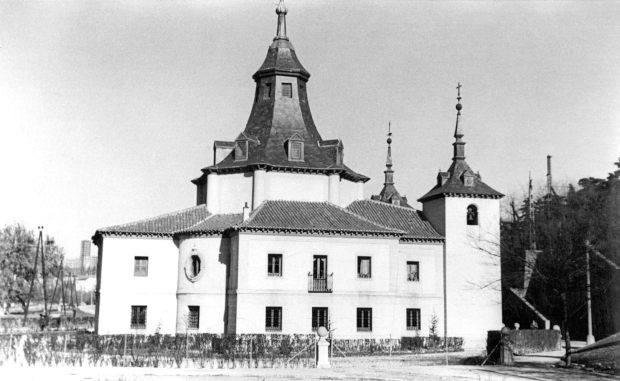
(472, 215)
(295, 148)
(287, 90)
(241, 150)
(267, 91)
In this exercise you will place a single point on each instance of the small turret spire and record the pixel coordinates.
(459, 146)
(389, 173)
(281, 11)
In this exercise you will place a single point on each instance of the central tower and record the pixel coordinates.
(280, 154)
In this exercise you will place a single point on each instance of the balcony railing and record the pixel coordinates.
(320, 285)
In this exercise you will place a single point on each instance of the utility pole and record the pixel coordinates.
(590, 337)
(34, 276)
(549, 184)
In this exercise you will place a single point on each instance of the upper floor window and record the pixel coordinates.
(413, 271)
(287, 90)
(267, 91)
(241, 150)
(195, 264)
(472, 215)
(273, 319)
(295, 148)
(364, 319)
(141, 266)
(363, 267)
(193, 318)
(413, 319)
(138, 317)
(274, 264)
(319, 318)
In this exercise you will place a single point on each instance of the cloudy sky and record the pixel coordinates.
(109, 108)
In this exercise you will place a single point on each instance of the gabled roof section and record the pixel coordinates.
(407, 219)
(312, 218)
(163, 226)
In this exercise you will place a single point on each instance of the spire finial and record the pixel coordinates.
(459, 146)
(281, 11)
(389, 140)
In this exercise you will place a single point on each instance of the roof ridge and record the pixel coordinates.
(366, 219)
(199, 222)
(160, 216)
(387, 203)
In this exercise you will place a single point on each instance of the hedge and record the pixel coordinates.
(15, 325)
(201, 350)
(524, 341)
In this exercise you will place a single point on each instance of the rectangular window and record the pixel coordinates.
(413, 319)
(296, 151)
(241, 150)
(364, 319)
(319, 318)
(273, 319)
(363, 267)
(267, 91)
(138, 317)
(287, 90)
(274, 264)
(413, 271)
(141, 266)
(193, 319)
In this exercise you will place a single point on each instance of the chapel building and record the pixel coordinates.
(281, 239)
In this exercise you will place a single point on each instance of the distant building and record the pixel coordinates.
(86, 264)
(283, 241)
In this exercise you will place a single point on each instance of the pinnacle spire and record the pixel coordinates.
(281, 11)
(459, 146)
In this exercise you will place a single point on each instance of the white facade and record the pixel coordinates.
(228, 193)
(473, 271)
(119, 288)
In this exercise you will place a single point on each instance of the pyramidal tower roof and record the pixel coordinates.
(280, 134)
(460, 179)
(389, 193)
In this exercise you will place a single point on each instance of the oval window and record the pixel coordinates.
(194, 266)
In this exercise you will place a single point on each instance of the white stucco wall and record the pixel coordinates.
(209, 290)
(473, 287)
(387, 292)
(350, 191)
(296, 186)
(119, 289)
(235, 190)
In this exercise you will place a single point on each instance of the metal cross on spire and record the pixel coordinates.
(458, 88)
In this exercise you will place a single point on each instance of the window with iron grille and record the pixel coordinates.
(413, 319)
(274, 264)
(193, 319)
(138, 317)
(320, 318)
(413, 271)
(472, 215)
(287, 90)
(363, 267)
(273, 319)
(364, 319)
(267, 91)
(141, 266)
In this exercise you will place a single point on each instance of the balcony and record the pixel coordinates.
(320, 284)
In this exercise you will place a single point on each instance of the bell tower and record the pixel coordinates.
(465, 211)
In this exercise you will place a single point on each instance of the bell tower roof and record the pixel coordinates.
(460, 179)
(280, 134)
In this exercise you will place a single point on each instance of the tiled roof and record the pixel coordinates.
(164, 225)
(312, 217)
(217, 223)
(396, 217)
(454, 185)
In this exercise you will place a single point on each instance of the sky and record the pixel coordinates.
(109, 108)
